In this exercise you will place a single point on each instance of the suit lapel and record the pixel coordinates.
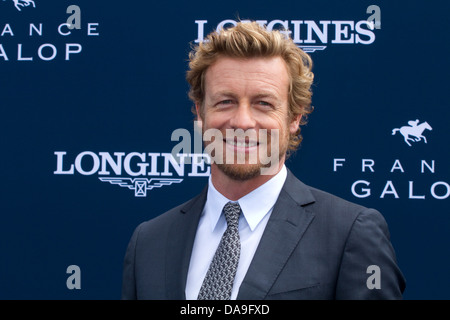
(286, 226)
(179, 246)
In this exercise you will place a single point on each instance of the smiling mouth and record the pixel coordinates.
(241, 143)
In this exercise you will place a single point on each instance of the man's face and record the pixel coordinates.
(245, 96)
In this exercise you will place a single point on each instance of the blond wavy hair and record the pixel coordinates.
(249, 40)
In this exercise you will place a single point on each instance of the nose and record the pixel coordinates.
(243, 117)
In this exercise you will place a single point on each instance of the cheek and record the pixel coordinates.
(278, 122)
(213, 121)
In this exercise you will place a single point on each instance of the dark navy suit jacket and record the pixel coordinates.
(315, 246)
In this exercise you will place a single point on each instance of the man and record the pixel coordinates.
(256, 231)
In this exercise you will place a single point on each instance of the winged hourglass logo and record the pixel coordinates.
(141, 185)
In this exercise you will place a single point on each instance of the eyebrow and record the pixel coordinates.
(229, 94)
(222, 94)
(266, 95)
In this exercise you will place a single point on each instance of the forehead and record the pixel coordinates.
(248, 75)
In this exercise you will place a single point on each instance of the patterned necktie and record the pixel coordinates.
(220, 276)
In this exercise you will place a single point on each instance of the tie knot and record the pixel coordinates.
(232, 211)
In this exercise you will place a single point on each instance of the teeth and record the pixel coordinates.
(242, 144)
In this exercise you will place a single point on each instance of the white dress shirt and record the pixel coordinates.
(256, 208)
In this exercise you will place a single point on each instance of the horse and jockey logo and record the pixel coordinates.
(414, 131)
(23, 3)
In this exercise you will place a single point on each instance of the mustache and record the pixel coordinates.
(248, 136)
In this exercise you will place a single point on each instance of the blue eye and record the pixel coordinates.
(224, 103)
(264, 104)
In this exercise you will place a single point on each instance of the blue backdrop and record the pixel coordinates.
(87, 117)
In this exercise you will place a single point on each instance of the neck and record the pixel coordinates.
(236, 189)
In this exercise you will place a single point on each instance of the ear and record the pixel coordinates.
(199, 114)
(197, 110)
(294, 124)
(198, 123)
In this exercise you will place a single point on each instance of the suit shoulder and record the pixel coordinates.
(322, 203)
(165, 217)
(335, 201)
(339, 210)
(344, 215)
(153, 230)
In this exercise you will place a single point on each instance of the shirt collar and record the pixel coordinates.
(255, 205)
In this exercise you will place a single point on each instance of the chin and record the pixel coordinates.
(240, 172)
